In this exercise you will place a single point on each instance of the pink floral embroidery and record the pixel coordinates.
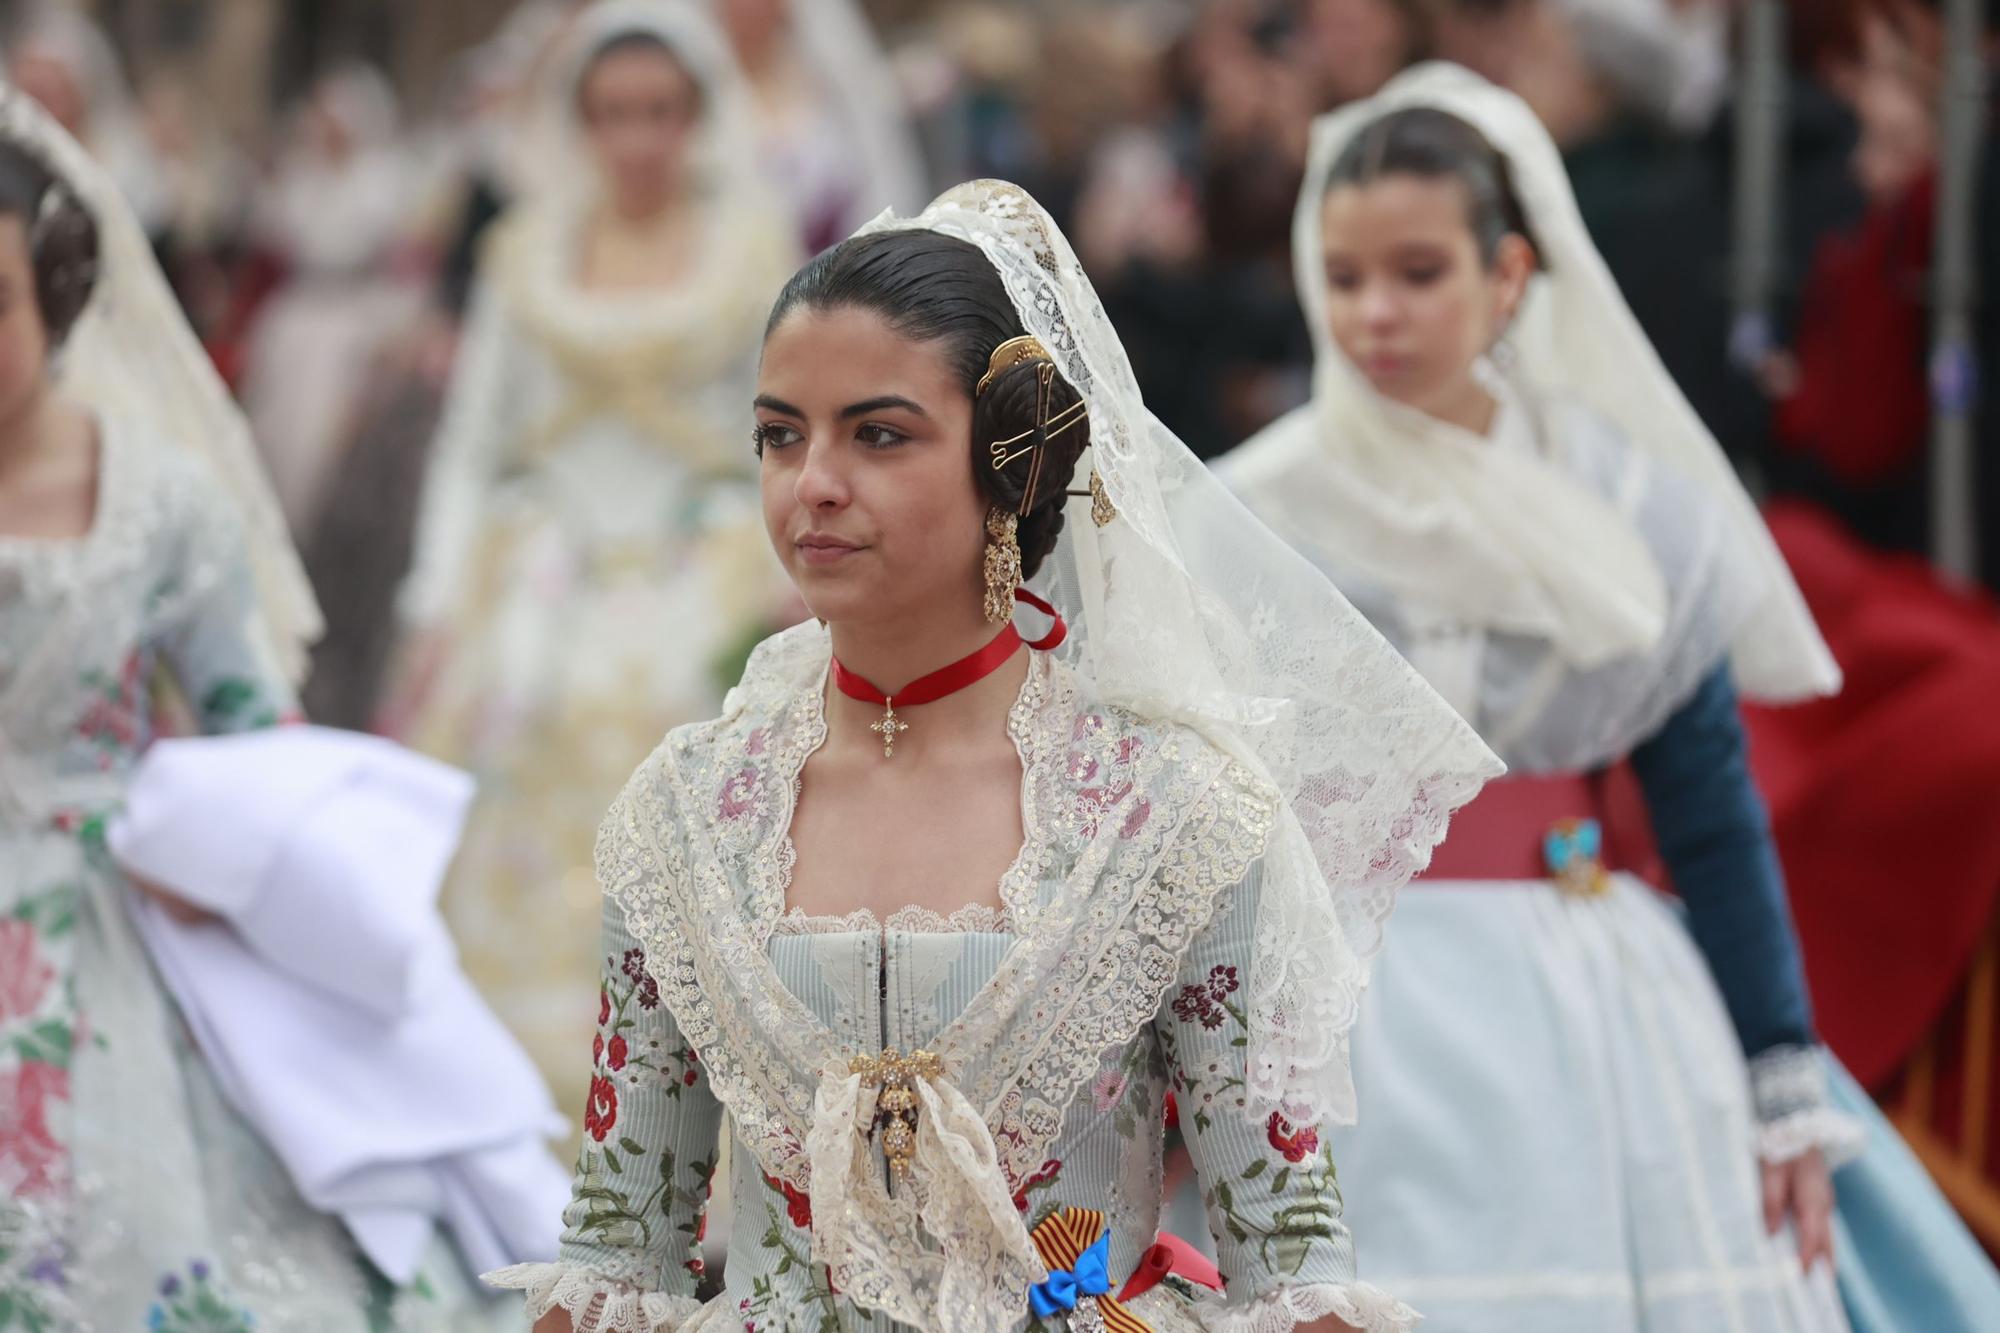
(24, 974)
(1108, 1090)
(31, 1160)
(739, 796)
(759, 740)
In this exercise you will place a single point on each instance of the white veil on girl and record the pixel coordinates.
(1503, 539)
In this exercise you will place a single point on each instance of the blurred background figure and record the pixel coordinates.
(334, 217)
(588, 553)
(831, 124)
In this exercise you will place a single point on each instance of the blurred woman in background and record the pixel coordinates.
(1499, 473)
(587, 548)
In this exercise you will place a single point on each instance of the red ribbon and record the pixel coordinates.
(968, 670)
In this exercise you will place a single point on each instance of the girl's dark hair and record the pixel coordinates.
(1431, 144)
(634, 39)
(939, 289)
(61, 235)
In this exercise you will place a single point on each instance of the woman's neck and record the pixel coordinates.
(892, 657)
(31, 434)
(1472, 408)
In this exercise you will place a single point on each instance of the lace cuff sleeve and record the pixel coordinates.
(1795, 1112)
(1367, 1308)
(595, 1304)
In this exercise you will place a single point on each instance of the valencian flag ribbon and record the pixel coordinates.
(1077, 1249)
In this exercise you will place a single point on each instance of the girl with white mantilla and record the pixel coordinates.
(1606, 1120)
(587, 550)
(927, 923)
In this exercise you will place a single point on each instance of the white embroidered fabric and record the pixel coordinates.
(594, 1303)
(973, 918)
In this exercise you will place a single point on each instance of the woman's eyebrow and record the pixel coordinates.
(889, 400)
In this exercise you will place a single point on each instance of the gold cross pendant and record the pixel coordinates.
(888, 729)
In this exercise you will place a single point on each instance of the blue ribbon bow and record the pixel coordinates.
(1090, 1277)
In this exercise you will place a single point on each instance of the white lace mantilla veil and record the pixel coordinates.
(1186, 609)
(1505, 539)
(131, 354)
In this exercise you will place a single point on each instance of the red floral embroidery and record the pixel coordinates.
(617, 1052)
(1207, 1002)
(798, 1205)
(31, 1160)
(603, 1006)
(647, 989)
(601, 1112)
(24, 974)
(1045, 1176)
(1295, 1144)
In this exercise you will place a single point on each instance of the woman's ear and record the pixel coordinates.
(1513, 265)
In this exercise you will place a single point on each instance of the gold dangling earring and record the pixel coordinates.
(1003, 564)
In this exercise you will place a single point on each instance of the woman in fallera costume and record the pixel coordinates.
(929, 920)
(1498, 471)
(137, 537)
(587, 548)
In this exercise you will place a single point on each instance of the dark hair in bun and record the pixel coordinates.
(61, 233)
(1431, 144)
(938, 289)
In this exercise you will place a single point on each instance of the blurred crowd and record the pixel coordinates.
(326, 261)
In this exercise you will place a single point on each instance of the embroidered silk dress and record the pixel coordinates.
(1068, 1015)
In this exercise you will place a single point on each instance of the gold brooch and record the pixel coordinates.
(895, 1127)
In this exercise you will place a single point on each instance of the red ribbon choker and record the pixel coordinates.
(948, 680)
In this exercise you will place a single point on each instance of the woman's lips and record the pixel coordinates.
(821, 550)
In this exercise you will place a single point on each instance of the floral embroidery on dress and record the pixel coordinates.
(114, 722)
(1038, 1180)
(195, 1306)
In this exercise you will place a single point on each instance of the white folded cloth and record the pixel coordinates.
(326, 995)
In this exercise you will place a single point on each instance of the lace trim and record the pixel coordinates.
(1839, 1137)
(1795, 1114)
(1367, 1308)
(971, 919)
(595, 1304)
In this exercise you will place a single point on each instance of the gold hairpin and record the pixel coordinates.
(1013, 352)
